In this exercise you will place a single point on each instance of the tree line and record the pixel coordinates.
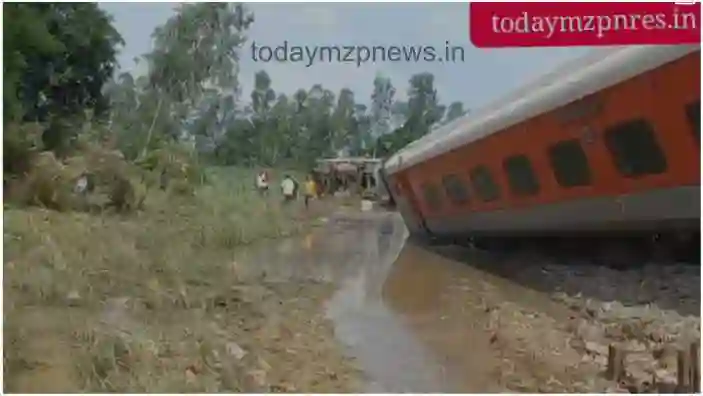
(60, 69)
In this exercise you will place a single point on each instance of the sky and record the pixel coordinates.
(484, 75)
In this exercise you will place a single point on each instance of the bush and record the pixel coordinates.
(173, 167)
(51, 183)
(22, 142)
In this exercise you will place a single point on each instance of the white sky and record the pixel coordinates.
(484, 75)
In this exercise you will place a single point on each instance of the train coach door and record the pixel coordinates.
(410, 207)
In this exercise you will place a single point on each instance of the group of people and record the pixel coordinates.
(289, 187)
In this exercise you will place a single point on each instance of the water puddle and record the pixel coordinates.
(419, 320)
(395, 308)
(356, 252)
(393, 359)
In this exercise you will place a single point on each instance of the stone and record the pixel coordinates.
(589, 332)
(73, 298)
(258, 377)
(596, 348)
(191, 377)
(234, 350)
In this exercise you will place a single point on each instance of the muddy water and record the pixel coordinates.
(423, 321)
(356, 252)
(397, 309)
(390, 353)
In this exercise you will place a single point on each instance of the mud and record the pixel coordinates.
(355, 251)
(456, 320)
(351, 306)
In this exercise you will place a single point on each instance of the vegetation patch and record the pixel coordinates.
(154, 301)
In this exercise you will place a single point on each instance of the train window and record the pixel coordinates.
(483, 184)
(634, 147)
(521, 177)
(693, 113)
(432, 196)
(569, 164)
(455, 189)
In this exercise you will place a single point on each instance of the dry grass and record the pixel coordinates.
(154, 301)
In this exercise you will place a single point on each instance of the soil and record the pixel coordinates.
(240, 333)
(524, 324)
(351, 307)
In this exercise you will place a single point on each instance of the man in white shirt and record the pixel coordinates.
(262, 183)
(288, 188)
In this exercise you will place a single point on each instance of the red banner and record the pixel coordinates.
(507, 24)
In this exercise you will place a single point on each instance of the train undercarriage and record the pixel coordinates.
(617, 250)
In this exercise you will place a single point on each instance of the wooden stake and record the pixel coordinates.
(616, 363)
(695, 372)
(683, 371)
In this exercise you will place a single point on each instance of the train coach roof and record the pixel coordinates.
(573, 80)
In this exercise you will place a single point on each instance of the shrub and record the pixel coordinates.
(173, 164)
(21, 142)
(51, 183)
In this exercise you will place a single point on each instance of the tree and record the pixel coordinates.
(57, 57)
(342, 120)
(283, 116)
(381, 105)
(454, 111)
(423, 101)
(27, 37)
(423, 105)
(191, 90)
(125, 120)
(262, 96)
(420, 113)
(195, 49)
(262, 99)
(400, 111)
(318, 122)
(361, 139)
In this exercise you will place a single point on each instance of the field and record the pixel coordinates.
(155, 300)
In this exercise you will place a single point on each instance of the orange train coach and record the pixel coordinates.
(607, 145)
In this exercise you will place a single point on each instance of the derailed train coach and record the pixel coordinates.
(607, 146)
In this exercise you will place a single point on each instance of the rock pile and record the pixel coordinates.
(648, 337)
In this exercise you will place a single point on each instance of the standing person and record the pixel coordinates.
(288, 189)
(262, 182)
(310, 190)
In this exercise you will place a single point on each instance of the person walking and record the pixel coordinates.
(310, 190)
(288, 188)
(262, 183)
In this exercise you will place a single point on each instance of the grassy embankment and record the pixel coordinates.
(154, 301)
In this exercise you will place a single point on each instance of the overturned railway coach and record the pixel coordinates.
(609, 143)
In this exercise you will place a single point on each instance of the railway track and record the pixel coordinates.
(644, 303)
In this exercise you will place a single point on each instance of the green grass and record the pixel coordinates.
(134, 303)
